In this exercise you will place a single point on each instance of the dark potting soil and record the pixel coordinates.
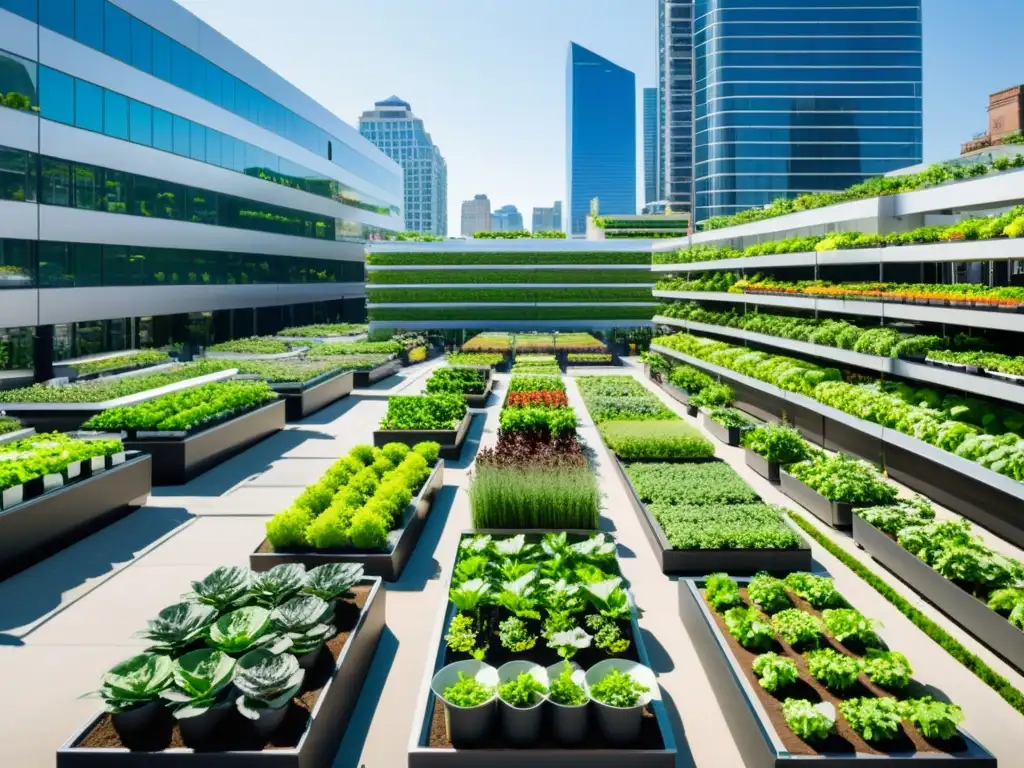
(236, 733)
(845, 739)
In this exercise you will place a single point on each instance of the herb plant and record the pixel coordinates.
(515, 635)
(644, 440)
(566, 691)
(775, 671)
(689, 484)
(523, 691)
(607, 634)
(776, 443)
(618, 689)
(461, 635)
(424, 412)
(467, 692)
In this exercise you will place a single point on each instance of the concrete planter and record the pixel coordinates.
(302, 400)
(480, 401)
(373, 375)
(40, 526)
(702, 561)
(972, 614)
(13, 437)
(176, 460)
(769, 470)
(756, 738)
(387, 565)
(838, 514)
(450, 440)
(319, 743)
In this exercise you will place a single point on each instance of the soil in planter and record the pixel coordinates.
(236, 733)
(845, 740)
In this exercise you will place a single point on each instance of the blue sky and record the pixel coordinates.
(488, 77)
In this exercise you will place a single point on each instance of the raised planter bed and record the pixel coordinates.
(769, 470)
(753, 731)
(305, 398)
(387, 565)
(89, 498)
(838, 514)
(373, 375)
(297, 352)
(450, 440)
(309, 737)
(614, 362)
(703, 561)
(966, 610)
(176, 460)
(13, 437)
(480, 401)
(728, 435)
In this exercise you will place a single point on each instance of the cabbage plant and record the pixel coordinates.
(332, 580)
(178, 626)
(225, 588)
(244, 630)
(305, 620)
(271, 588)
(266, 680)
(139, 680)
(200, 682)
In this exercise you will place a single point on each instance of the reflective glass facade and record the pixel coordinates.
(791, 99)
(651, 147)
(676, 77)
(600, 138)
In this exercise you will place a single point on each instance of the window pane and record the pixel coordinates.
(115, 265)
(55, 265)
(213, 86)
(88, 187)
(88, 264)
(88, 106)
(197, 147)
(213, 144)
(17, 82)
(89, 23)
(202, 206)
(163, 130)
(24, 8)
(144, 196)
(140, 123)
(58, 15)
(180, 71)
(14, 175)
(56, 181)
(115, 189)
(162, 56)
(56, 96)
(117, 33)
(197, 68)
(17, 254)
(170, 201)
(228, 92)
(115, 115)
(142, 46)
(181, 132)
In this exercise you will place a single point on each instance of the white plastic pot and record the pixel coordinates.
(467, 725)
(521, 725)
(621, 725)
(569, 722)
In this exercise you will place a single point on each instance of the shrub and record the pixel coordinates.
(641, 440)
(534, 496)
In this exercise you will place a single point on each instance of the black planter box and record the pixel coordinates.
(966, 610)
(35, 529)
(381, 372)
(769, 470)
(301, 402)
(178, 460)
(843, 439)
(319, 744)
(727, 435)
(480, 401)
(753, 733)
(387, 565)
(450, 440)
(838, 514)
(737, 562)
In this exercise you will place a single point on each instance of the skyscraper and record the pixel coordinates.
(548, 219)
(798, 99)
(476, 215)
(675, 91)
(393, 128)
(600, 138)
(652, 169)
(507, 219)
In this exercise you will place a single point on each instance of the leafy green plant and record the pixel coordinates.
(136, 681)
(321, 330)
(768, 593)
(819, 591)
(775, 671)
(467, 692)
(797, 627)
(811, 722)
(618, 689)
(721, 591)
(703, 484)
(724, 526)
(750, 628)
(557, 423)
(835, 670)
(569, 642)
(273, 587)
(461, 381)
(244, 629)
(840, 478)
(889, 669)
(223, 588)
(874, 719)
(713, 396)
(565, 691)
(424, 412)
(529, 496)
(135, 360)
(640, 440)
(515, 635)
(847, 623)
(252, 346)
(474, 358)
(1009, 600)
(608, 597)
(607, 634)
(461, 634)
(178, 626)
(266, 681)
(936, 720)
(776, 443)
(893, 518)
(524, 690)
(305, 620)
(201, 681)
(524, 383)
(332, 580)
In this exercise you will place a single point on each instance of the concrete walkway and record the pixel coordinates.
(68, 619)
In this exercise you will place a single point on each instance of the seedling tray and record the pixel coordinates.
(318, 733)
(450, 440)
(659, 750)
(769, 470)
(756, 737)
(703, 561)
(301, 400)
(838, 514)
(972, 614)
(388, 565)
(381, 372)
(176, 460)
(40, 526)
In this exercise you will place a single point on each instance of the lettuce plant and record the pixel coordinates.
(835, 670)
(225, 588)
(332, 580)
(271, 588)
(811, 722)
(889, 669)
(768, 593)
(201, 681)
(775, 671)
(461, 635)
(306, 621)
(721, 591)
(847, 623)
(936, 720)
(874, 719)
(266, 681)
(178, 626)
(139, 680)
(797, 627)
(244, 629)
(819, 591)
(750, 628)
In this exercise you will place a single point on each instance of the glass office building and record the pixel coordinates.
(652, 169)
(600, 138)
(675, 84)
(793, 97)
(157, 184)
